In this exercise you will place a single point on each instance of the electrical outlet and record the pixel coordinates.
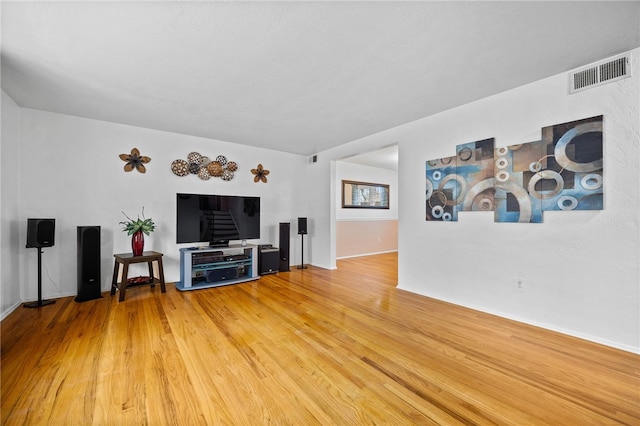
(519, 284)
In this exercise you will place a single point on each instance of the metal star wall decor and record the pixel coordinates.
(135, 161)
(261, 174)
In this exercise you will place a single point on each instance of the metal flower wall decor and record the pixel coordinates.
(135, 161)
(261, 174)
(204, 167)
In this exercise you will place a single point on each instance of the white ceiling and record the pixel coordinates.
(299, 77)
(385, 158)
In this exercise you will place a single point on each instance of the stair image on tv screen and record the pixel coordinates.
(220, 225)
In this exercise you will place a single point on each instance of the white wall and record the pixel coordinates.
(581, 269)
(71, 171)
(9, 213)
(320, 242)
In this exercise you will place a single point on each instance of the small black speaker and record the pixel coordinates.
(41, 232)
(285, 238)
(88, 263)
(302, 225)
(268, 260)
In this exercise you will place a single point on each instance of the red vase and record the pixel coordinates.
(137, 243)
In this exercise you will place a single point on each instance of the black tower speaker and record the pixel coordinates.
(285, 240)
(40, 232)
(302, 225)
(88, 263)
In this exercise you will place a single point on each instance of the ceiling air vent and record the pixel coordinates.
(601, 73)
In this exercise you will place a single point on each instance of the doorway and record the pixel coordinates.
(364, 232)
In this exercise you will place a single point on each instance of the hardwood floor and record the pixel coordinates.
(303, 347)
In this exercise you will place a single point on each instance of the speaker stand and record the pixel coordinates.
(303, 266)
(39, 302)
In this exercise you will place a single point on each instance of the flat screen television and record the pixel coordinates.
(216, 219)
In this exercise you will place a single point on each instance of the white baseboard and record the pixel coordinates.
(551, 327)
(11, 309)
(366, 254)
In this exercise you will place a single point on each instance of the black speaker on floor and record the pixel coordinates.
(302, 225)
(88, 263)
(285, 240)
(41, 233)
(268, 259)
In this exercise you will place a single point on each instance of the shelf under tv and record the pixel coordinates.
(217, 266)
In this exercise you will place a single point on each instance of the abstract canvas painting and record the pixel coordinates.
(463, 182)
(475, 173)
(575, 159)
(514, 169)
(561, 171)
(441, 198)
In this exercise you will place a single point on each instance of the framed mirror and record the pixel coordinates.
(364, 195)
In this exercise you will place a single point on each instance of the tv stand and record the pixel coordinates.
(206, 267)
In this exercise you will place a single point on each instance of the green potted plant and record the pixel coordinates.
(137, 228)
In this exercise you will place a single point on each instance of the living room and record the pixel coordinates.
(69, 169)
(579, 270)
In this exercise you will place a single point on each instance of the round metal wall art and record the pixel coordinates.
(203, 173)
(203, 167)
(194, 168)
(227, 175)
(180, 168)
(215, 169)
(194, 158)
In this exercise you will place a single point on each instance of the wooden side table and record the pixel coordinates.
(125, 259)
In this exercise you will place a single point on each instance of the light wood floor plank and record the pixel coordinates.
(303, 347)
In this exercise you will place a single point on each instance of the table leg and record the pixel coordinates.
(153, 280)
(123, 284)
(114, 280)
(161, 273)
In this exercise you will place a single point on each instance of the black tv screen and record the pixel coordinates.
(216, 219)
